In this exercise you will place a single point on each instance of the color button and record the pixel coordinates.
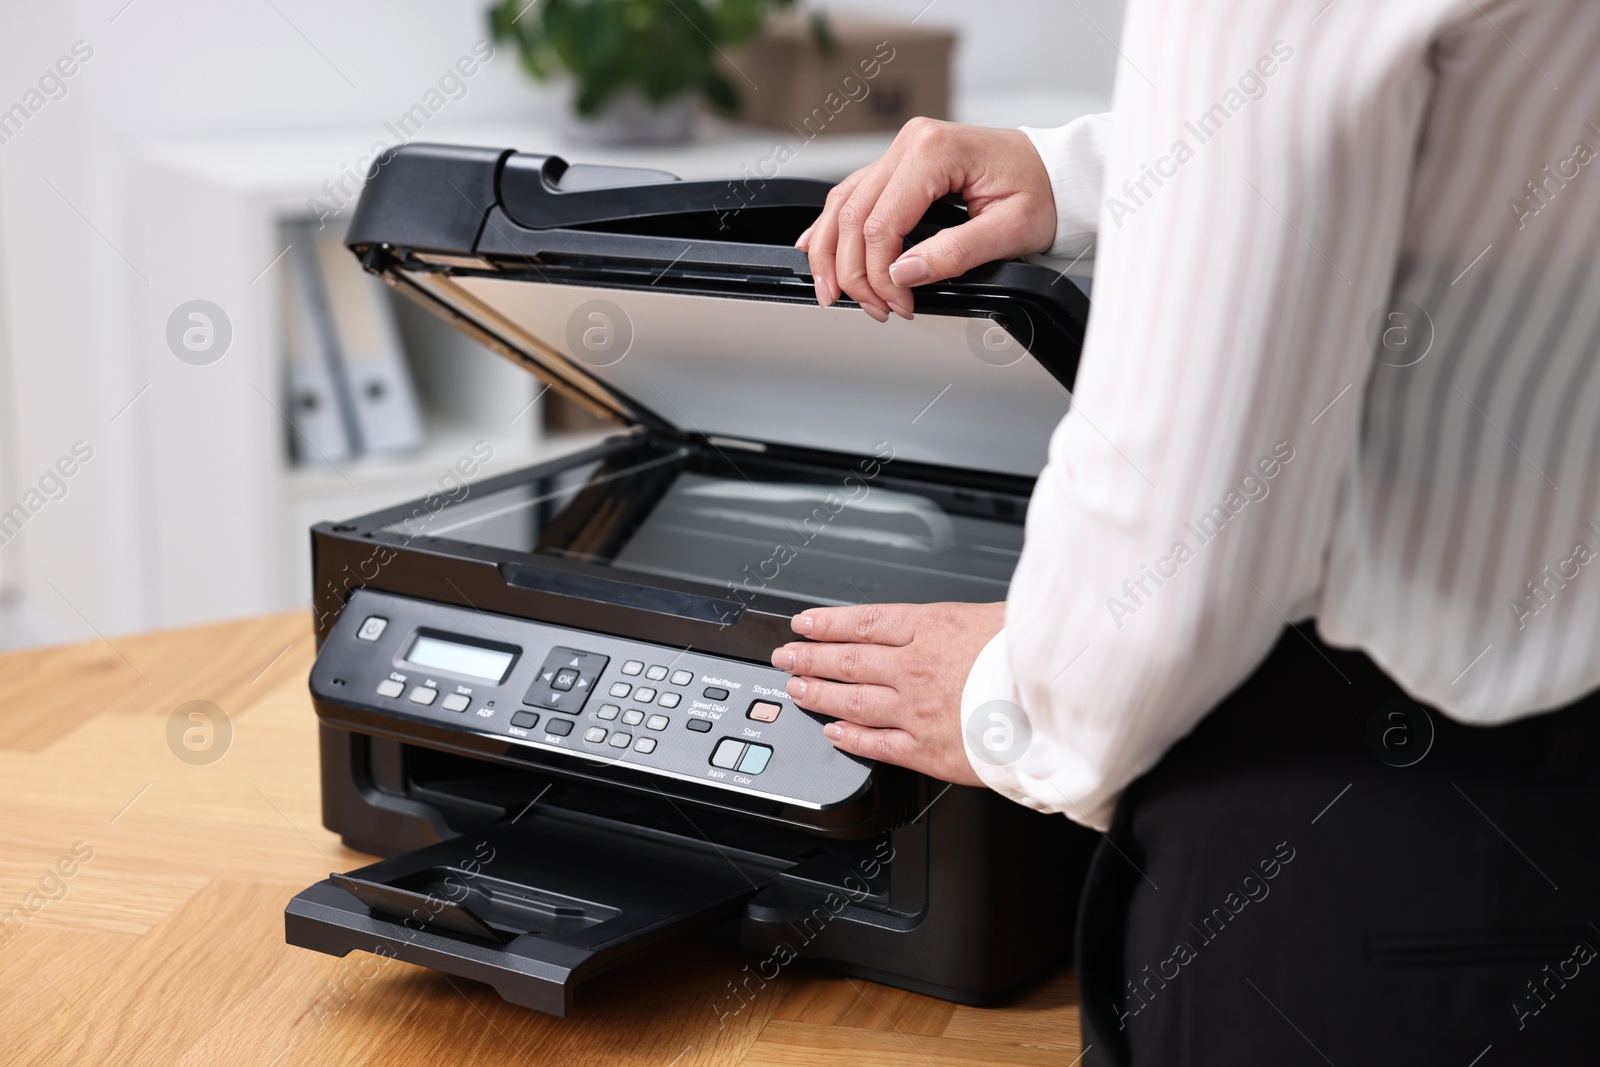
(727, 753)
(764, 711)
(755, 759)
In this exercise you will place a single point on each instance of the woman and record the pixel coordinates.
(1341, 366)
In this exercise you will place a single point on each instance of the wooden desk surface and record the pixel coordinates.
(163, 941)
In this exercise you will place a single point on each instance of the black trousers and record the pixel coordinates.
(1327, 873)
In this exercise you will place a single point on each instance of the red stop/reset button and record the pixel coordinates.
(764, 711)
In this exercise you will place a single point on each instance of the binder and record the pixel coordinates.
(316, 410)
(377, 385)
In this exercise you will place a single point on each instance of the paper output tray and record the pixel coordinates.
(531, 907)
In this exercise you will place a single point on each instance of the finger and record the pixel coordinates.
(842, 663)
(825, 238)
(986, 238)
(851, 255)
(871, 624)
(886, 746)
(805, 236)
(870, 705)
(916, 184)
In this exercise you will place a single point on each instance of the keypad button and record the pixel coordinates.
(633, 716)
(726, 754)
(682, 677)
(645, 745)
(716, 693)
(621, 739)
(644, 694)
(525, 720)
(656, 672)
(755, 759)
(595, 734)
(559, 727)
(564, 680)
(620, 689)
(373, 628)
(633, 666)
(700, 726)
(764, 711)
(421, 694)
(391, 688)
(607, 711)
(456, 702)
(657, 722)
(668, 700)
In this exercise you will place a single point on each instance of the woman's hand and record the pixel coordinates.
(855, 245)
(892, 674)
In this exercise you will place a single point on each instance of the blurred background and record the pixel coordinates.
(191, 372)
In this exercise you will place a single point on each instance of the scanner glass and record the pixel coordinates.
(818, 535)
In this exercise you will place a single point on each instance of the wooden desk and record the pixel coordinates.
(166, 946)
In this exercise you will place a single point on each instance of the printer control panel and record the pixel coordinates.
(676, 713)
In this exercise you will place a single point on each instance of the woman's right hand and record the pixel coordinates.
(855, 246)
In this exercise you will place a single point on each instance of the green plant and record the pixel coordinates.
(659, 48)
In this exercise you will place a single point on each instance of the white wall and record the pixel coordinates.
(74, 272)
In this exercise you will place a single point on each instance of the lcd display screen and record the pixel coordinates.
(474, 661)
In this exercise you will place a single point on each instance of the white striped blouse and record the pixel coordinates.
(1341, 363)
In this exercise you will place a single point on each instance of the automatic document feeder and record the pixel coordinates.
(545, 696)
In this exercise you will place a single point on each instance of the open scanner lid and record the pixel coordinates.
(684, 307)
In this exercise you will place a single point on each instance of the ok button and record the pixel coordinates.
(565, 679)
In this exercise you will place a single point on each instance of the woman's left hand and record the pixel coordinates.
(892, 674)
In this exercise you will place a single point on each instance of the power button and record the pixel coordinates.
(373, 628)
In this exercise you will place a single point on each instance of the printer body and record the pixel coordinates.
(545, 697)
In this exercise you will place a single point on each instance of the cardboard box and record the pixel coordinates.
(879, 75)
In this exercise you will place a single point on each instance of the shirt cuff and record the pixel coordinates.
(1074, 156)
(1008, 751)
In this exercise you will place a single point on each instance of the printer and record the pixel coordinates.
(546, 697)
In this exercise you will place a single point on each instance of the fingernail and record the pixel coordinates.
(876, 312)
(783, 659)
(800, 242)
(822, 292)
(797, 688)
(898, 310)
(910, 270)
(801, 624)
(833, 732)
